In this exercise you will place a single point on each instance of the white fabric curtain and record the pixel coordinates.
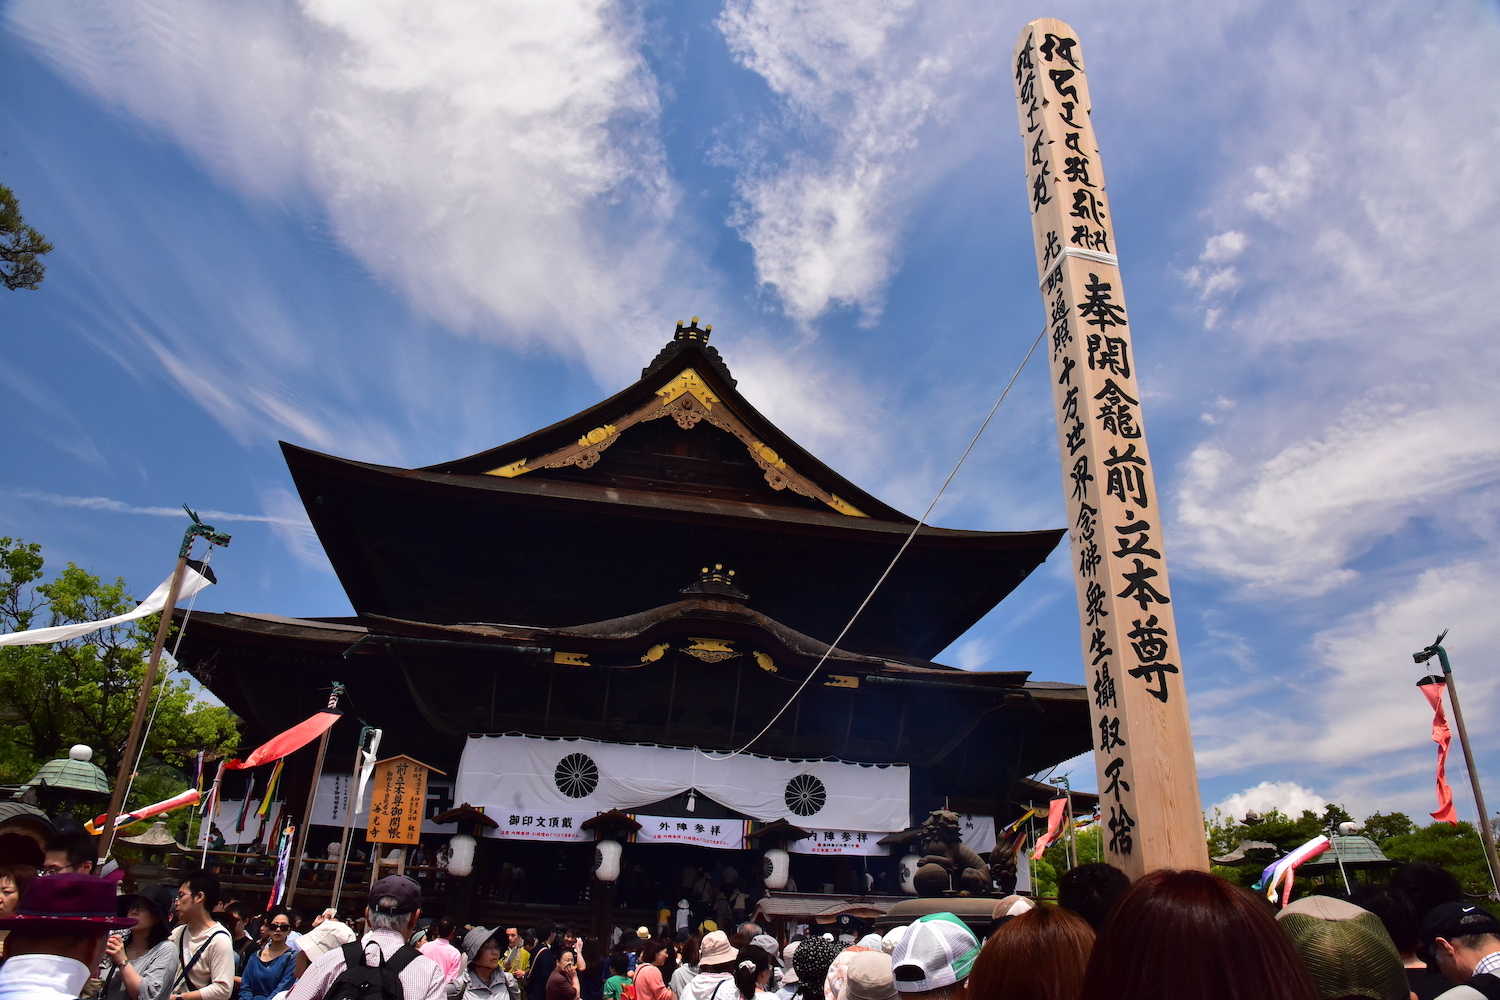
(508, 774)
(192, 582)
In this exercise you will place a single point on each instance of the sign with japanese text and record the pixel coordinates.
(1143, 748)
(539, 824)
(334, 792)
(848, 842)
(723, 834)
(398, 798)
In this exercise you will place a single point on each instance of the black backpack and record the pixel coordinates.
(362, 981)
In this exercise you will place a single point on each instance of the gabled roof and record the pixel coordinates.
(689, 382)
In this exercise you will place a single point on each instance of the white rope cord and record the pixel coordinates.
(140, 753)
(894, 559)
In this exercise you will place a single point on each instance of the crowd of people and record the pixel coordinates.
(1178, 934)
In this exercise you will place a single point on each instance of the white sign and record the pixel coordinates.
(539, 824)
(724, 834)
(978, 832)
(853, 842)
(333, 800)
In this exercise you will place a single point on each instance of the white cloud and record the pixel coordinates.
(858, 81)
(1287, 796)
(121, 507)
(499, 164)
(1283, 186)
(289, 522)
(1225, 246)
(973, 654)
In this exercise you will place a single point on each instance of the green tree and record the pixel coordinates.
(21, 246)
(1381, 827)
(85, 690)
(1456, 848)
(1225, 833)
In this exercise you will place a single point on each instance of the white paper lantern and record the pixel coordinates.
(775, 868)
(909, 873)
(607, 860)
(460, 854)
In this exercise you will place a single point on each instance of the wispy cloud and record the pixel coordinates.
(121, 507)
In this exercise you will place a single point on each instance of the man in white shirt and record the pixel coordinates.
(205, 948)
(57, 936)
(395, 906)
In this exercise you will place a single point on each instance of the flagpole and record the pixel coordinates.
(312, 797)
(127, 758)
(349, 804)
(1486, 832)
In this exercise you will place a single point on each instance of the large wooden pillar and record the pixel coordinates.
(1143, 748)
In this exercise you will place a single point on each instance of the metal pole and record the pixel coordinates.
(312, 797)
(1485, 830)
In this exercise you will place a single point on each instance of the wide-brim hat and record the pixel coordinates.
(716, 949)
(67, 903)
(869, 977)
(475, 939)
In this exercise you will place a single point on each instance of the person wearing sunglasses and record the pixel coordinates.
(274, 967)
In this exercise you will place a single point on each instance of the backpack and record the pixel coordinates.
(362, 981)
(1486, 983)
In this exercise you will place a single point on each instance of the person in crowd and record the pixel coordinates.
(789, 985)
(838, 969)
(934, 958)
(328, 932)
(1006, 909)
(749, 928)
(752, 973)
(140, 962)
(202, 947)
(234, 917)
(811, 963)
(1038, 954)
(767, 944)
(1465, 943)
(870, 977)
(684, 921)
(487, 978)
(13, 882)
(274, 967)
(1345, 949)
(1193, 936)
(892, 938)
(395, 907)
(687, 966)
(441, 950)
(649, 984)
(562, 984)
(516, 960)
(1394, 910)
(543, 960)
(57, 937)
(619, 976)
(663, 919)
(1091, 891)
(591, 969)
(73, 851)
(716, 960)
(1427, 885)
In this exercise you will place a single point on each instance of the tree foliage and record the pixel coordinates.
(85, 690)
(1458, 849)
(21, 246)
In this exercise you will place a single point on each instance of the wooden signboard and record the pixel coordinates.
(1143, 749)
(398, 797)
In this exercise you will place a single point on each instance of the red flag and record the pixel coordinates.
(290, 741)
(1054, 826)
(1442, 736)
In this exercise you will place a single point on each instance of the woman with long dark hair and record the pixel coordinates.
(752, 973)
(1038, 955)
(1193, 936)
(142, 959)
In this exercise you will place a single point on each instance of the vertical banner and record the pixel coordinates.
(398, 803)
(1143, 748)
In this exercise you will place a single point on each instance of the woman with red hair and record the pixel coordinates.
(1038, 955)
(1188, 935)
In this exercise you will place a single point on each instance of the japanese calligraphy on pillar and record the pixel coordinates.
(398, 801)
(1148, 783)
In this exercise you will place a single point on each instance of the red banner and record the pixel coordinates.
(292, 740)
(1442, 736)
(1054, 826)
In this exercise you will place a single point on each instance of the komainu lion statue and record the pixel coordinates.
(947, 862)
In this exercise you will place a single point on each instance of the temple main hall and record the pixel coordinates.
(609, 617)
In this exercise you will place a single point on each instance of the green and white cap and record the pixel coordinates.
(938, 950)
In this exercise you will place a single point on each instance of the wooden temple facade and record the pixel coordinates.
(665, 568)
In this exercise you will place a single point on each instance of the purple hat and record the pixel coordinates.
(403, 889)
(70, 901)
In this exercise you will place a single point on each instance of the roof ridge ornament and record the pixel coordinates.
(717, 581)
(689, 333)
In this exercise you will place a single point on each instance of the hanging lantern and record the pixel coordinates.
(909, 866)
(607, 860)
(460, 854)
(775, 868)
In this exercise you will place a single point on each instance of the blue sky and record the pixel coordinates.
(404, 233)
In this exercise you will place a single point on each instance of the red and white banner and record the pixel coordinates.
(847, 842)
(723, 834)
